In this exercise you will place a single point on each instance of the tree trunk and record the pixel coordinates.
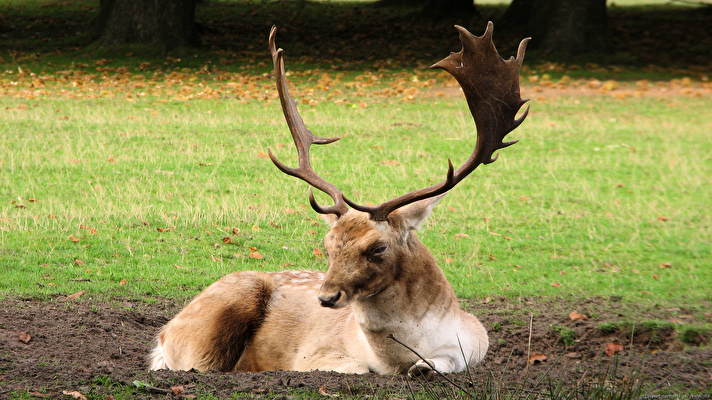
(449, 8)
(562, 27)
(164, 23)
(518, 13)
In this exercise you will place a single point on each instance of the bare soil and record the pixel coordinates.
(51, 346)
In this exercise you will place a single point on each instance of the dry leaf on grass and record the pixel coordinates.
(76, 295)
(24, 337)
(574, 316)
(177, 390)
(536, 358)
(318, 253)
(613, 348)
(74, 394)
(323, 392)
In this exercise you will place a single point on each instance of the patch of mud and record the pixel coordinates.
(77, 345)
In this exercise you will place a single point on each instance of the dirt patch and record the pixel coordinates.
(51, 346)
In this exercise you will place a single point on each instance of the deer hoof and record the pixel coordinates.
(421, 370)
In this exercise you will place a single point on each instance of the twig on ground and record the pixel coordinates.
(450, 381)
(529, 343)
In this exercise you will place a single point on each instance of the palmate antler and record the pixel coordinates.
(303, 139)
(491, 87)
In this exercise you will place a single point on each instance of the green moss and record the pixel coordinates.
(566, 335)
(608, 327)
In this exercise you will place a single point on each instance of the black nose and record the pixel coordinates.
(329, 301)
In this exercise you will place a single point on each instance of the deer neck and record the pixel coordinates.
(419, 291)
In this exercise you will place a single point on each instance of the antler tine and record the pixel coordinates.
(303, 139)
(491, 87)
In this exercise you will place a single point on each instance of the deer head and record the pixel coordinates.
(369, 246)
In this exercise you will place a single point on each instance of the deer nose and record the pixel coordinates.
(329, 301)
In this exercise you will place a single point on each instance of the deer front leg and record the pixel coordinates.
(424, 368)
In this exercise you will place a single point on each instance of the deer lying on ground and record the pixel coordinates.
(383, 298)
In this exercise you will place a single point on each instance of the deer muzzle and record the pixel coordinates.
(331, 300)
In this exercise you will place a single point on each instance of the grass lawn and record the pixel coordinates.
(137, 197)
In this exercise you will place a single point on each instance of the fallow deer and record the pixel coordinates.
(381, 284)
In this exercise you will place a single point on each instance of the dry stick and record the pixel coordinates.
(529, 345)
(390, 336)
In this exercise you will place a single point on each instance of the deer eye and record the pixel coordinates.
(375, 252)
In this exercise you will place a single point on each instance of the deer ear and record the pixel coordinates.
(414, 214)
(330, 219)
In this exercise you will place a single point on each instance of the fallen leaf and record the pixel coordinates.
(317, 253)
(177, 390)
(666, 265)
(390, 162)
(227, 240)
(78, 262)
(163, 229)
(663, 218)
(32, 199)
(235, 231)
(73, 238)
(256, 254)
(556, 284)
(122, 282)
(461, 235)
(448, 260)
(179, 266)
(262, 154)
(323, 392)
(613, 348)
(76, 295)
(524, 198)
(574, 316)
(24, 337)
(75, 394)
(536, 358)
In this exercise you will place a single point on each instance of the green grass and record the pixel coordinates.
(603, 196)
(577, 202)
